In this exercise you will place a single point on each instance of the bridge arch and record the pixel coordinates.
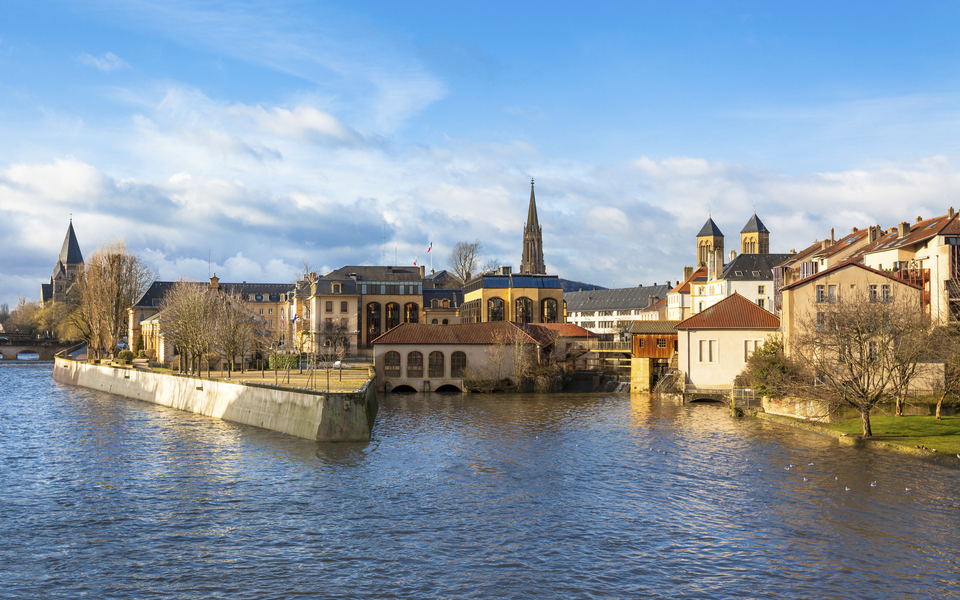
(403, 389)
(448, 388)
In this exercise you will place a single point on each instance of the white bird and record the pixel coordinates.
(873, 484)
(804, 478)
(811, 464)
(836, 479)
(906, 489)
(848, 489)
(790, 467)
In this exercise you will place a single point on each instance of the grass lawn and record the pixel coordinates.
(345, 380)
(910, 431)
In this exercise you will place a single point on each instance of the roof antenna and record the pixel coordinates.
(383, 245)
(208, 263)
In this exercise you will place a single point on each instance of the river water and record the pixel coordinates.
(559, 496)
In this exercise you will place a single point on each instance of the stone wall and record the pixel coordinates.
(338, 417)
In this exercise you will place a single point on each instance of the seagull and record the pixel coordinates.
(804, 478)
(906, 489)
(873, 484)
(836, 479)
(848, 489)
(811, 464)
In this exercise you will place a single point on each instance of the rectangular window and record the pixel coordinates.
(760, 302)
(885, 293)
(749, 347)
(708, 351)
(760, 289)
(329, 305)
(821, 293)
(261, 311)
(607, 324)
(833, 294)
(661, 342)
(343, 306)
(874, 296)
(640, 343)
(269, 311)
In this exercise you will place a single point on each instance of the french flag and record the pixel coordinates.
(430, 247)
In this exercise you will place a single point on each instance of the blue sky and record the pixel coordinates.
(261, 136)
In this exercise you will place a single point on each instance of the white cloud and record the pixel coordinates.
(105, 62)
(302, 122)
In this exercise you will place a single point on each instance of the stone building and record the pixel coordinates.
(65, 272)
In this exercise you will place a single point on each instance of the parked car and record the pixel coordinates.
(4, 340)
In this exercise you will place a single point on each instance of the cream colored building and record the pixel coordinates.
(846, 280)
(715, 344)
(514, 297)
(421, 357)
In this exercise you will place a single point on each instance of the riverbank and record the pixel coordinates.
(319, 416)
(918, 436)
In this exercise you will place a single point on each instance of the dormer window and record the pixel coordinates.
(336, 288)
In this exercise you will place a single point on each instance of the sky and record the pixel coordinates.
(247, 139)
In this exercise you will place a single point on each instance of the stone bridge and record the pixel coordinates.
(12, 348)
(706, 395)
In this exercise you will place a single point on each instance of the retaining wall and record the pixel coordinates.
(334, 417)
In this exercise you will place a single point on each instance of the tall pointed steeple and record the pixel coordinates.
(532, 261)
(70, 252)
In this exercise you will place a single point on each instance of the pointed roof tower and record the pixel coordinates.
(532, 261)
(710, 229)
(709, 243)
(754, 225)
(70, 252)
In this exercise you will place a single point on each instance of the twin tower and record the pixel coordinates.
(754, 239)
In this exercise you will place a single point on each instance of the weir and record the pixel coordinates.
(319, 416)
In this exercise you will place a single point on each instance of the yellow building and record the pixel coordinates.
(518, 298)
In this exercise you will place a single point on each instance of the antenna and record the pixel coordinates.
(208, 263)
(383, 246)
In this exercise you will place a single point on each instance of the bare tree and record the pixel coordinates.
(23, 318)
(188, 315)
(851, 350)
(234, 329)
(465, 260)
(492, 264)
(945, 348)
(111, 280)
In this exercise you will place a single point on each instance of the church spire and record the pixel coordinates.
(532, 261)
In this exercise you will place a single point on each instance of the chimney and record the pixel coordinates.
(854, 230)
(824, 244)
(892, 230)
(423, 271)
(733, 255)
(872, 234)
(904, 229)
(919, 218)
(832, 238)
(950, 212)
(687, 272)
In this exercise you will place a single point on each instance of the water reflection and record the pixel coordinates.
(458, 496)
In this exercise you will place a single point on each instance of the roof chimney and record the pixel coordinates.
(687, 272)
(832, 238)
(904, 229)
(919, 218)
(950, 212)
(423, 271)
(854, 230)
(733, 255)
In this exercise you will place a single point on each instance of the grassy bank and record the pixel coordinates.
(911, 431)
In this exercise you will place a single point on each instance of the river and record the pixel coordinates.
(503, 496)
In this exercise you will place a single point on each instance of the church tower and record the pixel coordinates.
(754, 237)
(709, 242)
(532, 261)
(65, 271)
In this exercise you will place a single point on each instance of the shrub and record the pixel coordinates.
(125, 355)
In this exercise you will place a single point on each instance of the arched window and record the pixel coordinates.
(446, 321)
(549, 310)
(458, 365)
(393, 315)
(524, 310)
(434, 303)
(446, 303)
(415, 365)
(436, 366)
(391, 364)
(373, 321)
(411, 313)
(434, 322)
(336, 288)
(495, 309)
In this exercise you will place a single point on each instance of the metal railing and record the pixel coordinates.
(598, 345)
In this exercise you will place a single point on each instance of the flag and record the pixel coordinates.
(430, 247)
(415, 261)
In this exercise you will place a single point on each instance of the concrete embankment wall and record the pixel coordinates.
(336, 417)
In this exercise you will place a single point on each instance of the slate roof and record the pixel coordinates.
(710, 229)
(747, 264)
(569, 330)
(375, 273)
(754, 225)
(325, 287)
(454, 296)
(465, 334)
(733, 312)
(844, 265)
(651, 327)
(70, 252)
(615, 299)
(803, 255)
(533, 224)
(159, 289)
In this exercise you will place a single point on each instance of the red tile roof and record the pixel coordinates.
(843, 265)
(733, 312)
(465, 334)
(568, 330)
(684, 288)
